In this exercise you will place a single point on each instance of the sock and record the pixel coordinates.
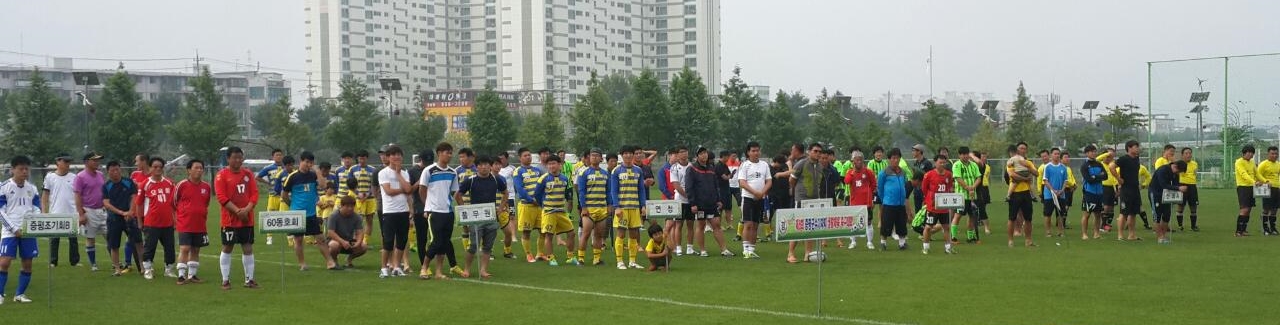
(1195, 220)
(902, 241)
(595, 252)
(768, 230)
(926, 246)
(1108, 217)
(1145, 223)
(224, 264)
(506, 248)
(247, 259)
(1242, 223)
(1179, 220)
(582, 253)
(4, 281)
(618, 248)
(92, 252)
(739, 229)
(635, 250)
(182, 270)
(128, 254)
(24, 280)
(954, 231)
(539, 247)
(191, 269)
(466, 241)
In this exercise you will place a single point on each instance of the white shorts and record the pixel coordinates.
(96, 225)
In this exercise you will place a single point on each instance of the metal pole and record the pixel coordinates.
(1226, 156)
(282, 262)
(820, 258)
(1149, 103)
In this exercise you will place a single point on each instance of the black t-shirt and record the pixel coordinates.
(120, 193)
(781, 189)
(482, 189)
(415, 173)
(1128, 171)
(921, 167)
(722, 171)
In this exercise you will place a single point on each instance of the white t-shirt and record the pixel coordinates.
(441, 182)
(20, 201)
(62, 196)
(506, 173)
(676, 175)
(393, 203)
(755, 173)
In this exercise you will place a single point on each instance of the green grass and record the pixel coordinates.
(1202, 278)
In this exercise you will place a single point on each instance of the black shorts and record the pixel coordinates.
(1130, 201)
(1273, 202)
(727, 198)
(686, 212)
(1050, 209)
(658, 262)
(1092, 202)
(934, 219)
(1109, 196)
(704, 214)
(984, 194)
(969, 206)
(1244, 196)
(117, 227)
(1191, 196)
(313, 228)
(752, 210)
(237, 236)
(1067, 199)
(193, 239)
(1020, 204)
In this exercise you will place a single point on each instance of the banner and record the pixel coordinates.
(50, 225)
(820, 223)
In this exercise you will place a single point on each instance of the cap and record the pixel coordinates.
(63, 157)
(596, 150)
(918, 147)
(92, 156)
(385, 147)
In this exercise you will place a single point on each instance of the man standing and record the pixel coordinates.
(394, 188)
(18, 200)
(891, 183)
(484, 187)
(807, 178)
(1020, 206)
(88, 189)
(436, 188)
(1128, 166)
(1094, 173)
(754, 178)
(119, 194)
(192, 196)
(156, 200)
(921, 166)
(507, 172)
(702, 185)
(529, 215)
(938, 180)
(1192, 197)
(301, 192)
(1246, 179)
(593, 198)
(627, 195)
(675, 175)
(60, 197)
(1165, 179)
(270, 177)
(1269, 175)
(552, 195)
(237, 196)
(1054, 177)
(966, 174)
(362, 180)
(862, 187)
(466, 169)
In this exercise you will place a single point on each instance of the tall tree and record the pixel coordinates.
(691, 105)
(593, 119)
(988, 139)
(870, 129)
(282, 130)
(489, 124)
(969, 119)
(1078, 133)
(742, 112)
(422, 131)
(33, 123)
(828, 125)
(618, 86)
(937, 126)
(356, 122)
(204, 122)
(1123, 124)
(125, 124)
(799, 105)
(1023, 124)
(543, 129)
(315, 116)
(648, 114)
(167, 105)
(781, 129)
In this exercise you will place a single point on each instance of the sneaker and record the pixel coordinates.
(455, 270)
(194, 279)
(622, 266)
(124, 270)
(169, 273)
(553, 263)
(926, 251)
(689, 249)
(853, 244)
(93, 268)
(21, 299)
(951, 250)
(726, 253)
(678, 251)
(384, 273)
(508, 255)
(269, 240)
(226, 285)
(182, 280)
(871, 247)
(397, 272)
(703, 254)
(753, 255)
(251, 284)
(902, 247)
(146, 274)
(596, 261)
(116, 272)
(636, 266)
(573, 261)
(884, 246)
(1195, 229)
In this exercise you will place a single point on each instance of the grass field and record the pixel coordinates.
(1202, 278)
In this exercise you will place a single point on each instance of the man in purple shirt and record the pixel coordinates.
(93, 219)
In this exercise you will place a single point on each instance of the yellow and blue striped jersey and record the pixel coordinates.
(464, 173)
(552, 193)
(593, 188)
(626, 188)
(526, 180)
(366, 178)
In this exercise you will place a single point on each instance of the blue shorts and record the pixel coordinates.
(13, 247)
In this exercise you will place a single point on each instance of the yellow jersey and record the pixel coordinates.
(464, 173)
(655, 247)
(1144, 176)
(1246, 173)
(1112, 177)
(1269, 172)
(328, 200)
(1022, 186)
(1188, 177)
(1161, 162)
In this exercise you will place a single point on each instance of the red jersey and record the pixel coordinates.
(936, 182)
(156, 200)
(193, 206)
(239, 188)
(139, 177)
(862, 186)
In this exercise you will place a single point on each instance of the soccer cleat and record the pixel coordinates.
(553, 263)
(726, 253)
(926, 251)
(678, 251)
(195, 279)
(182, 280)
(117, 272)
(93, 268)
(21, 299)
(753, 255)
(455, 270)
(384, 273)
(509, 255)
(704, 254)
(147, 274)
(636, 266)
(902, 247)
(226, 285)
(884, 246)
(169, 273)
(1195, 229)
(951, 250)
(622, 266)
(573, 261)
(688, 249)
(853, 244)
(397, 272)
(269, 240)
(251, 284)
(597, 261)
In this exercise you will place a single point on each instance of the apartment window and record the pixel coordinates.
(368, 14)
(346, 39)
(466, 83)
(490, 22)
(490, 34)
(431, 70)
(491, 72)
(466, 11)
(368, 3)
(662, 49)
(346, 13)
(549, 15)
(690, 36)
(690, 9)
(346, 26)
(690, 49)
(431, 46)
(368, 66)
(491, 47)
(466, 72)
(346, 65)
(368, 28)
(691, 62)
(491, 59)
(368, 40)
(368, 53)
(346, 52)
(431, 21)
(661, 11)
(466, 36)
(464, 23)
(662, 63)
(490, 10)
(690, 22)
(661, 23)
(662, 37)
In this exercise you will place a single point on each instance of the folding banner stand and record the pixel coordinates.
(282, 222)
(819, 223)
(50, 225)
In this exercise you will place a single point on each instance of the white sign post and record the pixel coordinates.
(282, 222)
(662, 209)
(948, 201)
(1171, 197)
(820, 223)
(815, 203)
(477, 214)
(50, 225)
(1262, 191)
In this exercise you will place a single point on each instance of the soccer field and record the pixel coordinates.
(1208, 277)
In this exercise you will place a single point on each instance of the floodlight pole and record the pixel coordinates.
(1226, 98)
(1149, 116)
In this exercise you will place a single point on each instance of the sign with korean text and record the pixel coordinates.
(949, 201)
(820, 223)
(815, 203)
(282, 222)
(662, 209)
(50, 225)
(477, 214)
(1171, 196)
(1262, 191)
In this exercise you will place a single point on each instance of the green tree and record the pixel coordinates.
(1078, 133)
(618, 86)
(828, 125)
(691, 106)
(543, 129)
(167, 105)
(356, 122)
(489, 124)
(1123, 123)
(421, 131)
(204, 122)
(34, 123)
(315, 116)
(593, 119)
(125, 125)
(1023, 124)
(282, 130)
(937, 126)
(969, 120)
(647, 114)
(869, 130)
(742, 112)
(780, 130)
(799, 105)
(988, 139)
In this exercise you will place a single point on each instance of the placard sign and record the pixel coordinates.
(1262, 191)
(662, 209)
(50, 225)
(282, 222)
(1171, 196)
(815, 203)
(949, 201)
(477, 214)
(820, 223)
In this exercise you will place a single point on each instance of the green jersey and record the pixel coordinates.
(967, 172)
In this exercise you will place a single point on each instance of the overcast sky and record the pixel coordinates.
(1081, 49)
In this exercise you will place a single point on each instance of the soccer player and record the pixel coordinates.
(270, 177)
(593, 198)
(1128, 166)
(552, 193)
(344, 233)
(436, 188)
(1165, 179)
(807, 177)
(983, 191)
(421, 231)
(1020, 199)
(529, 215)
(18, 200)
(921, 166)
(1269, 175)
(1054, 177)
(966, 173)
(724, 173)
(60, 197)
(1094, 174)
(343, 172)
(675, 176)
(192, 199)
(237, 196)
(1246, 179)
(702, 185)
(301, 192)
(862, 187)
(754, 180)
(938, 180)
(362, 180)
(507, 173)
(88, 196)
(156, 199)
(118, 195)
(1110, 196)
(627, 195)
(1166, 156)
(466, 169)
(1192, 197)
(1068, 193)
(891, 183)
(395, 186)
(483, 187)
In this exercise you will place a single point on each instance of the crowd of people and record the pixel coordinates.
(599, 199)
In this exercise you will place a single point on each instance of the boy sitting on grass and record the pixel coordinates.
(657, 250)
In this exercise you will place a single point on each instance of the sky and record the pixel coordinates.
(1080, 49)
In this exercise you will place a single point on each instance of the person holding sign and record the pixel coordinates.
(192, 196)
(627, 196)
(301, 192)
(701, 184)
(156, 200)
(237, 196)
(528, 214)
(1053, 176)
(1269, 174)
(754, 179)
(1246, 180)
(552, 194)
(18, 200)
(1165, 179)
(936, 181)
(593, 198)
(483, 187)
(118, 195)
(436, 188)
(892, 186)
